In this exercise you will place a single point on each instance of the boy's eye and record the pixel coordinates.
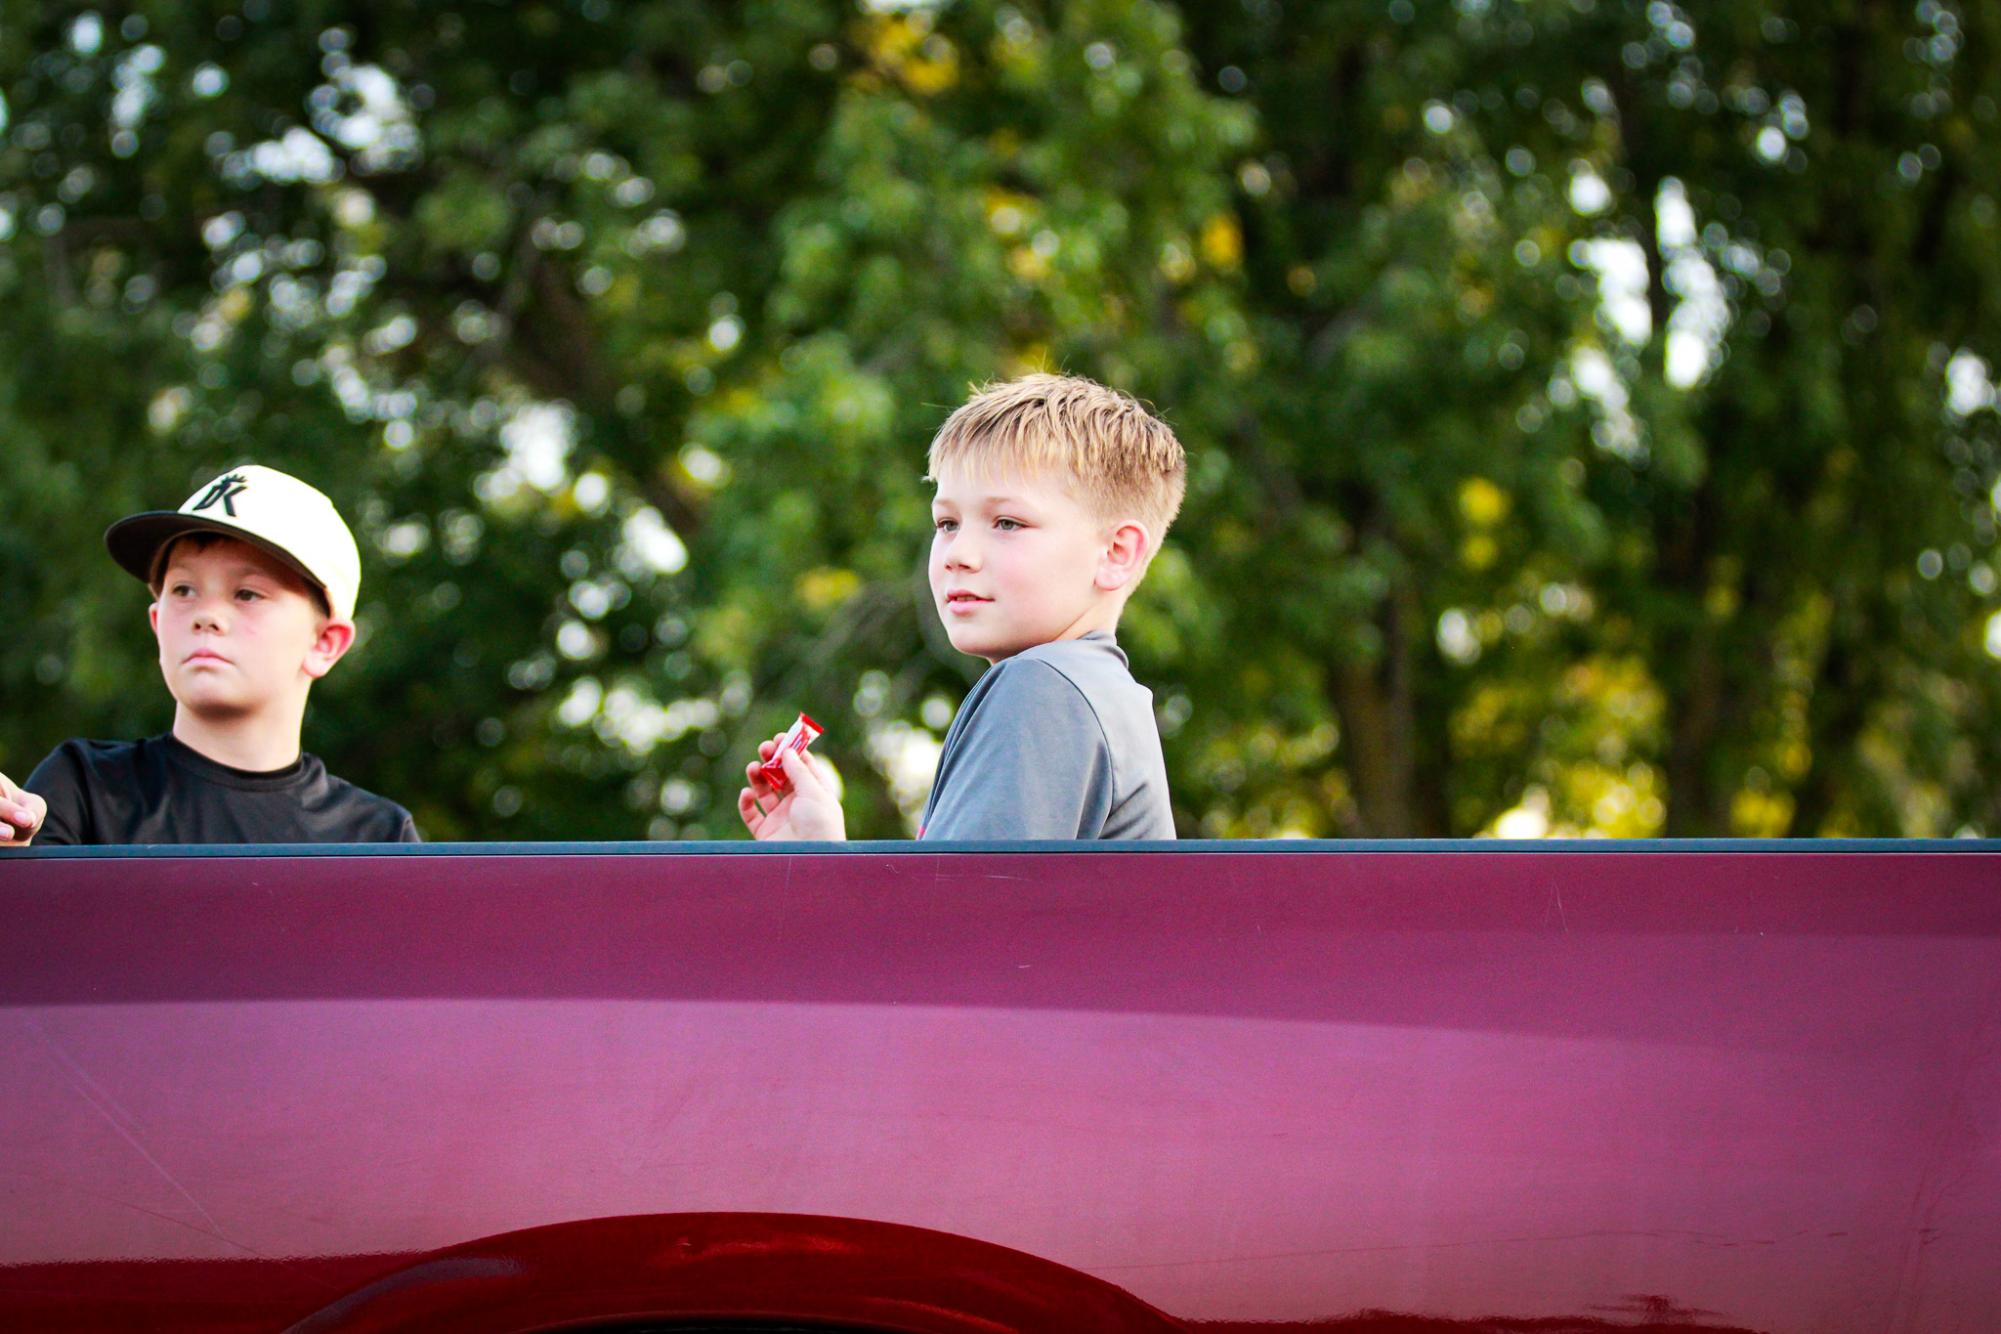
(945, 525)
(248, 595)
(1007, 525)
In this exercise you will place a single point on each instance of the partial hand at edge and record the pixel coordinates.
(22, 813)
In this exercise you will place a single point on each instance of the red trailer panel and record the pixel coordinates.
(1389, 1089)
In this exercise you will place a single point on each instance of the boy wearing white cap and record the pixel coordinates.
(253, 581)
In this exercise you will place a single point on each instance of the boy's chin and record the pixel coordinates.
(214, 705)
(980, 646)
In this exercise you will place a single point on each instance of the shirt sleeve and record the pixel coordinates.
(1031, 763)
(59, 780)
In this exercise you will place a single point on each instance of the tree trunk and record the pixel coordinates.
(1379, 735)
(1695, 809)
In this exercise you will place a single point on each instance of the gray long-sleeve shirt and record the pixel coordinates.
(1056, 742)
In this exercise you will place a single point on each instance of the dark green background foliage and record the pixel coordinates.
(1587, 401)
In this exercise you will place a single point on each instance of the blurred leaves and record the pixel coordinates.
(1589, 403)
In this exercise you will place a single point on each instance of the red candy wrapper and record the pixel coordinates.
(797, 737)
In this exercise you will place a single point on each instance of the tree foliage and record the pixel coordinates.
(1588, 401)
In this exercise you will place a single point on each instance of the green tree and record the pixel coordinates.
(1725, 569)
(1587, 403)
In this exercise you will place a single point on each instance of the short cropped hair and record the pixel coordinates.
(1124, 460)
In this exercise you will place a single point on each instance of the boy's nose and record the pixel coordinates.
(961, 553)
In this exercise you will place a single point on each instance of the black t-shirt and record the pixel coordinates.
(160, 791)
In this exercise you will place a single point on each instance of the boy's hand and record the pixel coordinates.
(810, 811)
(21, 814)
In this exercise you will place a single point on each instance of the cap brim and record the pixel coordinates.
(135, 543)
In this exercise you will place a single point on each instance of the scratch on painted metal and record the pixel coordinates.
(151, 1213)
(1949, 1157)
(88, 1089)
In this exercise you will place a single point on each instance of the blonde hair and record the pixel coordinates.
(1124, 461)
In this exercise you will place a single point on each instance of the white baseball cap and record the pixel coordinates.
(262, 506)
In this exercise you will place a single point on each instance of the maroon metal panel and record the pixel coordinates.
(1753, 1089)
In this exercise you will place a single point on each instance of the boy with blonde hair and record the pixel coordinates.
(253, 582)
(1053, 495)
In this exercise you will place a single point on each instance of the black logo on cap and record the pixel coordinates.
(221, 493)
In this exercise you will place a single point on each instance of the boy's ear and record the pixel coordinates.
(336, 637)
(1123, 560)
